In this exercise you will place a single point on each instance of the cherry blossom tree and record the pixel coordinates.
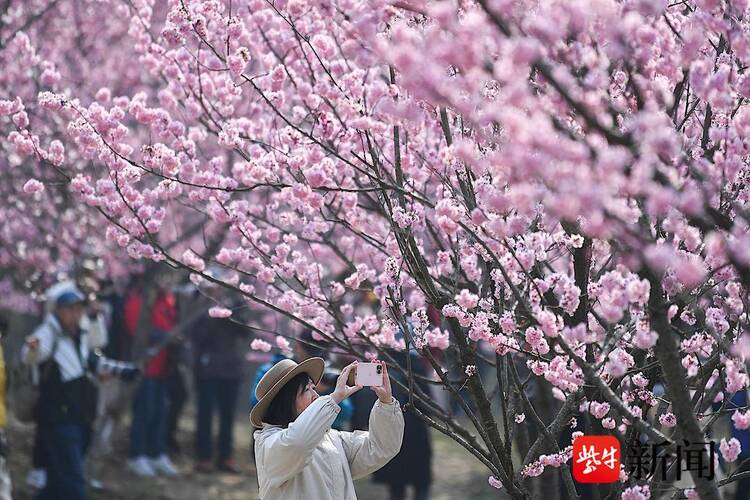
(46, 233)
(566, 182)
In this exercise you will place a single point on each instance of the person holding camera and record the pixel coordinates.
(218, 367)
(298, 455)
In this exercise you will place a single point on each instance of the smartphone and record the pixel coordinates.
(369, 374)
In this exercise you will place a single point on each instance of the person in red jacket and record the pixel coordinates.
(148, 433)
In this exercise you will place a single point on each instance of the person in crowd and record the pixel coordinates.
(130, 315)
(5, 483)
(113, 295)
(148, 427)
(93, 323)
(295, 446)
(218, 365)
(413, 464)
(67, 392)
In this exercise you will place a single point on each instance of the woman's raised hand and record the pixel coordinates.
(342, 390)
(385, 395)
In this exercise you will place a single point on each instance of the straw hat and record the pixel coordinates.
(275, 378)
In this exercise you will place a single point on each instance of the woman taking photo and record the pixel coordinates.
(298, 455)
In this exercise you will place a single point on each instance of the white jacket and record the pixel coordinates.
(93, 334)
(310, 461)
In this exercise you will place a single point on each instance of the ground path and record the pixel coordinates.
(457, 475)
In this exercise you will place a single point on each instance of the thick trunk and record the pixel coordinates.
(667, 351)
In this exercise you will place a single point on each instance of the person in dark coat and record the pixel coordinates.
(218, 350)
(413, 464)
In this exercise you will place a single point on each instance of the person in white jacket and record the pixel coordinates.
(92, 322)
(67, 399)
(298, 456)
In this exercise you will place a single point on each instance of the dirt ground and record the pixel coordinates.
(457, 475)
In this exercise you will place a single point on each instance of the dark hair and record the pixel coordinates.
(281, 410)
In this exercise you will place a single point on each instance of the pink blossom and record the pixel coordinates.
(50, 101)
(437, 339)
(337, 289)
(532, 470)
(21, 119)
(533, 336)
(716, 319)
(260, 345)
(495, 482)
(56, 153)
(619, 362)
(636, 493)
(730, 450)
(283, 344)
(480, 327)
(548, 322)
(9, 107)
(736, 379)
(741, 420)
(668, 420)
(638, 291)
(297, 7)
(103, 95)
(50, 77)
(236, 64)
(23, 143)
(508, 323)
(598, 410)
(639, 380)
(33, 186)
(403, 218)
(690, 271)
(192, 260)
(219, 312)
(447, 225)
(645, 339)
(324, 45)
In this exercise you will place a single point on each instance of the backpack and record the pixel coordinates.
(24, 386)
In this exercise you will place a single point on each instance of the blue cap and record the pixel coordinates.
(69, 298)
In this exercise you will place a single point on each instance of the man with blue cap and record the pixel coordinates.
(67, 391)
(93, 323)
